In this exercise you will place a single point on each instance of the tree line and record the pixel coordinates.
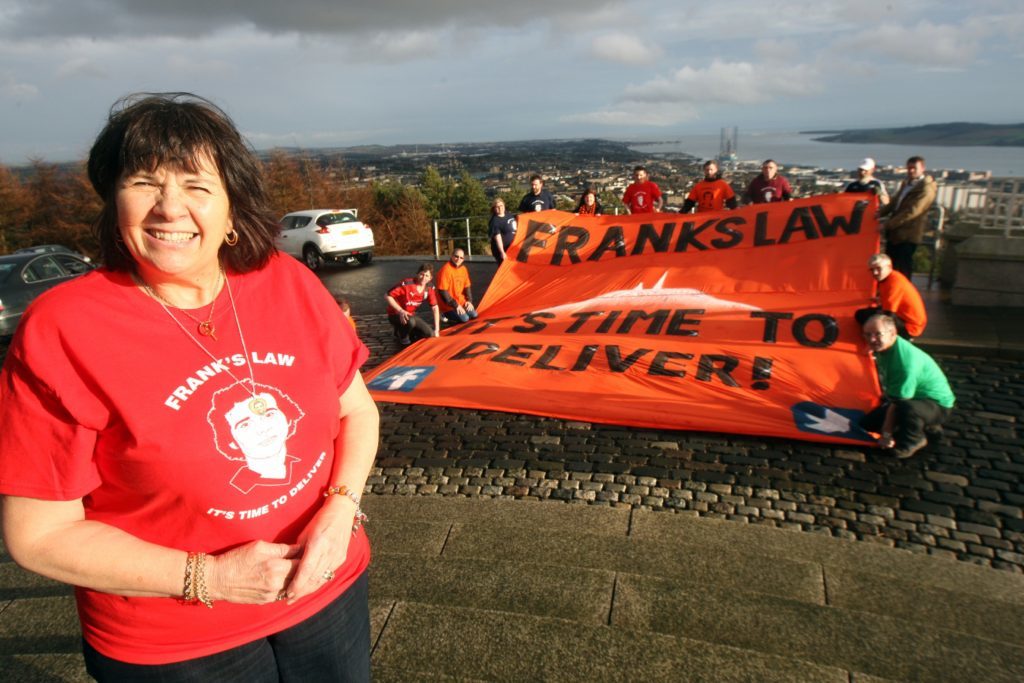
(54, 204)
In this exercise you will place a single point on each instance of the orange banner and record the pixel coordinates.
(735, 321)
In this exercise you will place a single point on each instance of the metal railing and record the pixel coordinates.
(455, 237)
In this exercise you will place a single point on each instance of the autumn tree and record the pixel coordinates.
(14, 209)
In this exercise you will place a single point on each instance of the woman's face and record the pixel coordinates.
(589, 199)
(174, 221)
(499, 208)
(258, 436)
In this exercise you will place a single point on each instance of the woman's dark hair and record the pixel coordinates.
(147, 130)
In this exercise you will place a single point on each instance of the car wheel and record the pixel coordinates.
(312, 258)
(364, 259)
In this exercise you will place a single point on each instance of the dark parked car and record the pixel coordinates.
(23, 277)
(51, 249)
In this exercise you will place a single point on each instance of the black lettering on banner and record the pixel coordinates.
(581, 319)
(659, 366)
(724, 227)
(771, 324)
(607, 323)
(532, 320)
(688, 236)
(679, 318)
(531, 241)
(762, 373)
(619, 364)
(829, 228)
(544, 362)
(761, 238)
(515, 352)
(583, 360)
(715, 365)
(829, 330)
(570, 240)
(657, 319)
(613, 239)
(476, 349)
(799, 221)
(660, 242)
(489, 323)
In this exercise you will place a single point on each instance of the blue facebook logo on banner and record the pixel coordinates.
(401, 378)
(819, 419)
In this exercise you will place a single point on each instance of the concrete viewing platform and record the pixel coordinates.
(517, 548)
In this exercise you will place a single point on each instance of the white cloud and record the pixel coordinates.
(391, 48)
(728, 83)
(925, 43)
(631, 114)
(624, 48)
(13, 89)
(79, 67)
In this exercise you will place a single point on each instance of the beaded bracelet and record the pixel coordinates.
(195, 580)
(360, 516)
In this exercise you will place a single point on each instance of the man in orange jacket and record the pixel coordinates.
(897, 296)
(454, 289)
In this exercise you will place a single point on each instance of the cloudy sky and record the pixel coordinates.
(347, 72)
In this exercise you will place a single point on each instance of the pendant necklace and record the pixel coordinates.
(205, 327)
(256, 405)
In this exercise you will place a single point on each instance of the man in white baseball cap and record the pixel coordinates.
(866, 182)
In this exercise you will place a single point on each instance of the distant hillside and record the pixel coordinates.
(958, 134)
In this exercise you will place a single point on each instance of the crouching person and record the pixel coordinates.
(916, 394)
(405, 298)
(454, 290)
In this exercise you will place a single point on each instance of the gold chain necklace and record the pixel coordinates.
(257, 405)
(205, 327)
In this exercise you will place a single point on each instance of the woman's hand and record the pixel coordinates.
(323, 546)
(255, 573)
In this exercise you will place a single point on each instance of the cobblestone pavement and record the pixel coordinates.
(961, 497)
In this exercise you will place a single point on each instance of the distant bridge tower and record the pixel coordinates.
(728, 148)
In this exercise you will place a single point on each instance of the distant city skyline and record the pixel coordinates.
(317, 73)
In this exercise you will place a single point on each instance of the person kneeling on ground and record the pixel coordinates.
(898, 297)
(405, 298)
(454, 290)
(916, 394)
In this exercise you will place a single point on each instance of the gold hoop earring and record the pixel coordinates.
(231, 239)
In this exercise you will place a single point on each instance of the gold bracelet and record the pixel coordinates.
(195, 580)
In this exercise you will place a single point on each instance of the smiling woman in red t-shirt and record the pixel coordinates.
(175, 439)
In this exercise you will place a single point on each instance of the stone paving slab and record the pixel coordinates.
(848, 639)
(524, 587)
(498, 646)
(410, 537)
(728, 568)
(527, 514)
(44, 669)
(769, 542)
(906, 598)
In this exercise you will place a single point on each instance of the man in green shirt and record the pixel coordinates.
(916, 394)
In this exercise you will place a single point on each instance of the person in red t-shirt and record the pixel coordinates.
(642, 196)
(405, 298)
(769, 186)
(710, 194)
(193, 462)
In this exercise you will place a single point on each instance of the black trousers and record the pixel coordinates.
(416, 329)
(912, 416)
(331, 645)
(902, 256)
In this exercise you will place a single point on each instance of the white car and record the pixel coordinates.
(319, 235)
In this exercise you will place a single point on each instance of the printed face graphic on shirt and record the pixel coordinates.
(254, 426)
(261, 436)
